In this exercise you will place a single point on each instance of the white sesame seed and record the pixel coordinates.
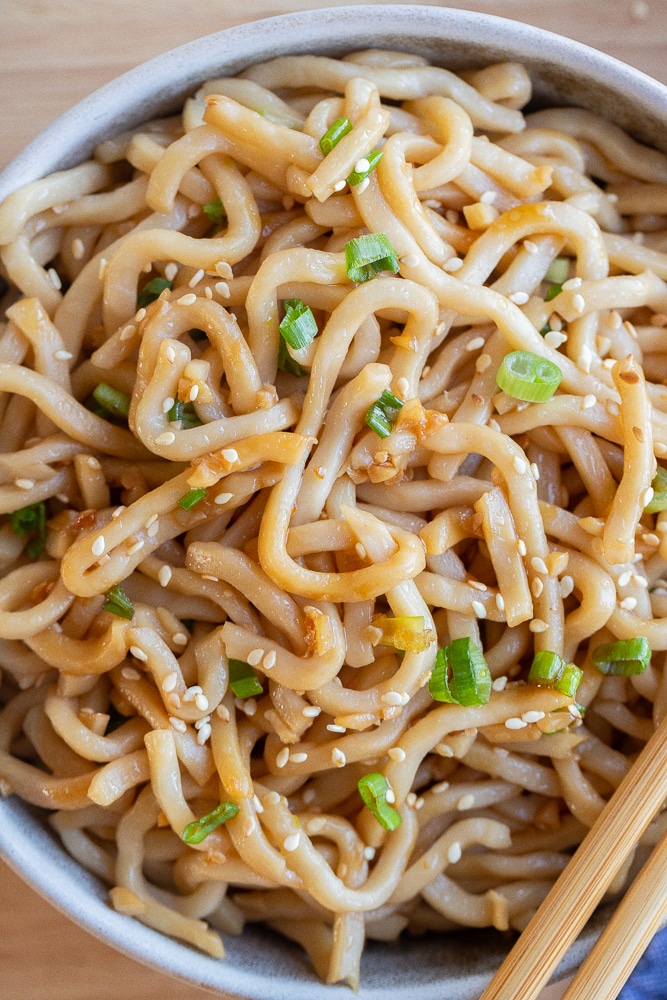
(647, 496)
(269, 660)
(271, 799)
(180, 638)
(130, 674)
(488, 197)
(519, 464)
(27, 484)
(128, 332)
(396, 753)
(478, 585)
(628, 603)
(136, 547)
(624, 578)
(483, 362)
(500, 683)
(139, 315)
(479, 609)
(390, 796)
(77, 249)
(282, 757)
(117, 512)
(222, 498)
(521, 547)
(537, 625)
(515, 723)
(192, 692)
(98, 545)
(316, 824)
(338, 758)
(63, 355)
(588, 401)
(209, 576)
(536, 587)
(409, 260)
(369, 853)
(360, 550)
(555, 339)
(292, 842)
(170, 271)
(518, 298)
(362, 165)
(333, 728)
(178, 724)
(223, 269)
(196, 278)
(572, 283)
(203, 734)
(410, 799)
(223, 713)
(444, 750)
(392, 698)
(138, 653)
(187, 300)
(454, 852)
(298, 758)
(500, 602)
(453, 264)
(170, 353)
(167, 438)
(255, 657)
(222, 288)
(311, 711)
(201, 701)
(535, 469)
(530, 246)
(640, 581)
(539, 565)
(475, 344)
(194, 392)
(465, 802)
(532, 716)
(229, 455)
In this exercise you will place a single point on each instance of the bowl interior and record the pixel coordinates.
(259, 965)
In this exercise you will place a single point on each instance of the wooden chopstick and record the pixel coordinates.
(578, 890)
(625, 938)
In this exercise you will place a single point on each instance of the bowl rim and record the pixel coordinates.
(66, 140)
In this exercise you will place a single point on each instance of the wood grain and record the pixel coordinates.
(54, 52)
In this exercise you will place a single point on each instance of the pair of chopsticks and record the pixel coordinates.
(578, 890)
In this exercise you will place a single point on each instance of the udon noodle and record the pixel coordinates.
(235, 567)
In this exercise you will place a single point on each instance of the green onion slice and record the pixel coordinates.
(192, 497)
(405, 632)
(553, 671)
(357, 176)
(199, 829)
(152, 291)
(118, 603)
(114, 401)
(552, 292)
(243, 680)
(373, 789)
(31, 520)
(527, 376)
(214, 210)
(334, 134)
(186, 413)
(569, 679)
(298, 326)
(470, 682)
(368, 255)
(659, 485)
(381, 414)
(558, 270)
(623, 658)
(286, 362)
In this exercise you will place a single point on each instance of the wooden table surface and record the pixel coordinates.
(54, 52)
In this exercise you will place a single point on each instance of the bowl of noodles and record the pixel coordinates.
(333, 499)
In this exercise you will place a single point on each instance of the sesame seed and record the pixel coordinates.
(150, 520)
(536, 587)
(647, 496)
(63, 355)
(98, 545)
(311, 711)
(178, 724)
(170, 353)
(204, 734)
(660, 448)
(180, 638)
(362, 165)
(555, 339)
(624, 578)
(136, 547)
(222, 498)
(138, 653)
(229, 455)
(292, 842)
(454, 852)
(170, 271)
(403, 387)
(588, 401)
(360, 550)
(201, 701)
(130, 674)
(282, 757)
(187, 300)
(475, 344)
(453, 264)
(396, 753)
(478, 585)
(339, 185)
(479, 609)
(519, 464)
(483, 362)
(222, 288)
(515, 723)
(539, 565)
(333, 728)
(628, 603)
(532, 716)
(521, 547)
(269, 660)
(518, 298)
(530, 246)
(196, 278)
(572, 283)
(316, 824)
(117, 512)
(500, 683)
(27, 484)
(390, 796)
(586, 357)
(192, 693)
(338, 758)
(223, 713)
(255, 657)
(128, 332)
(298, 758)
(369, 853)
(173, 701)
(444, 750)
(500, 602)
(410, 260)
(410, 799)
(537, 625)
(77, 249)
(194, 392)
(170, 681)
(535, 469)
(465, 802)
(209, 576)
(639, 581)
(139, 315)
(488, 197)
(167, 438)
(392, 698)
(271, 799)
(164, 576)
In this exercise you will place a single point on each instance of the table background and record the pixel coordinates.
(52, 53)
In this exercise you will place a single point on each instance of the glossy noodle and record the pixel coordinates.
(334, 525)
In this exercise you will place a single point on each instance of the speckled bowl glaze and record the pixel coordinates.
(259, 965)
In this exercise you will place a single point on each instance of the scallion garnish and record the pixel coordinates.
(404, 632)
(186, 413)
(31, 520)
(380, 416)
(334, 134)
(470, 682)
(558, 270)
(192, 497)
(286, 362)
(552, 292)
(214, 210)
(112, 400)
(373, 789)
(118, 603)
(623, 658)
(659, 486)
(298, 326)
(372, 159)
(368, 255)
(527, 376)
(199, 829)
(152, 290)
(551, 670)
(243, 680)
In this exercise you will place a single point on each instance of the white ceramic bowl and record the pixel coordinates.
(260, 966)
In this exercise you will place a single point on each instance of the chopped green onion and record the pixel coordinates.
(286, 362)
(199, 829)
(186, 413)
(470, 682)
(527, 376)
(298, 326)
(334, 134)
(552, 292)
(357, 176)
(553, 671)
(112, 400)
(373, 789)
(659, 486)
(368, 255)
(558, 270)
(243, 680)
(31, 520)
(192, 497)
(380, 416)
(405, 632)
(545, 330)
(214, 210)
(623, 658)
(152, 291)
(118, 603)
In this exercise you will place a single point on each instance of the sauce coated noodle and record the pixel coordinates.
(160, 435)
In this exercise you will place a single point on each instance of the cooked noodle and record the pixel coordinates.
(231, 486)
